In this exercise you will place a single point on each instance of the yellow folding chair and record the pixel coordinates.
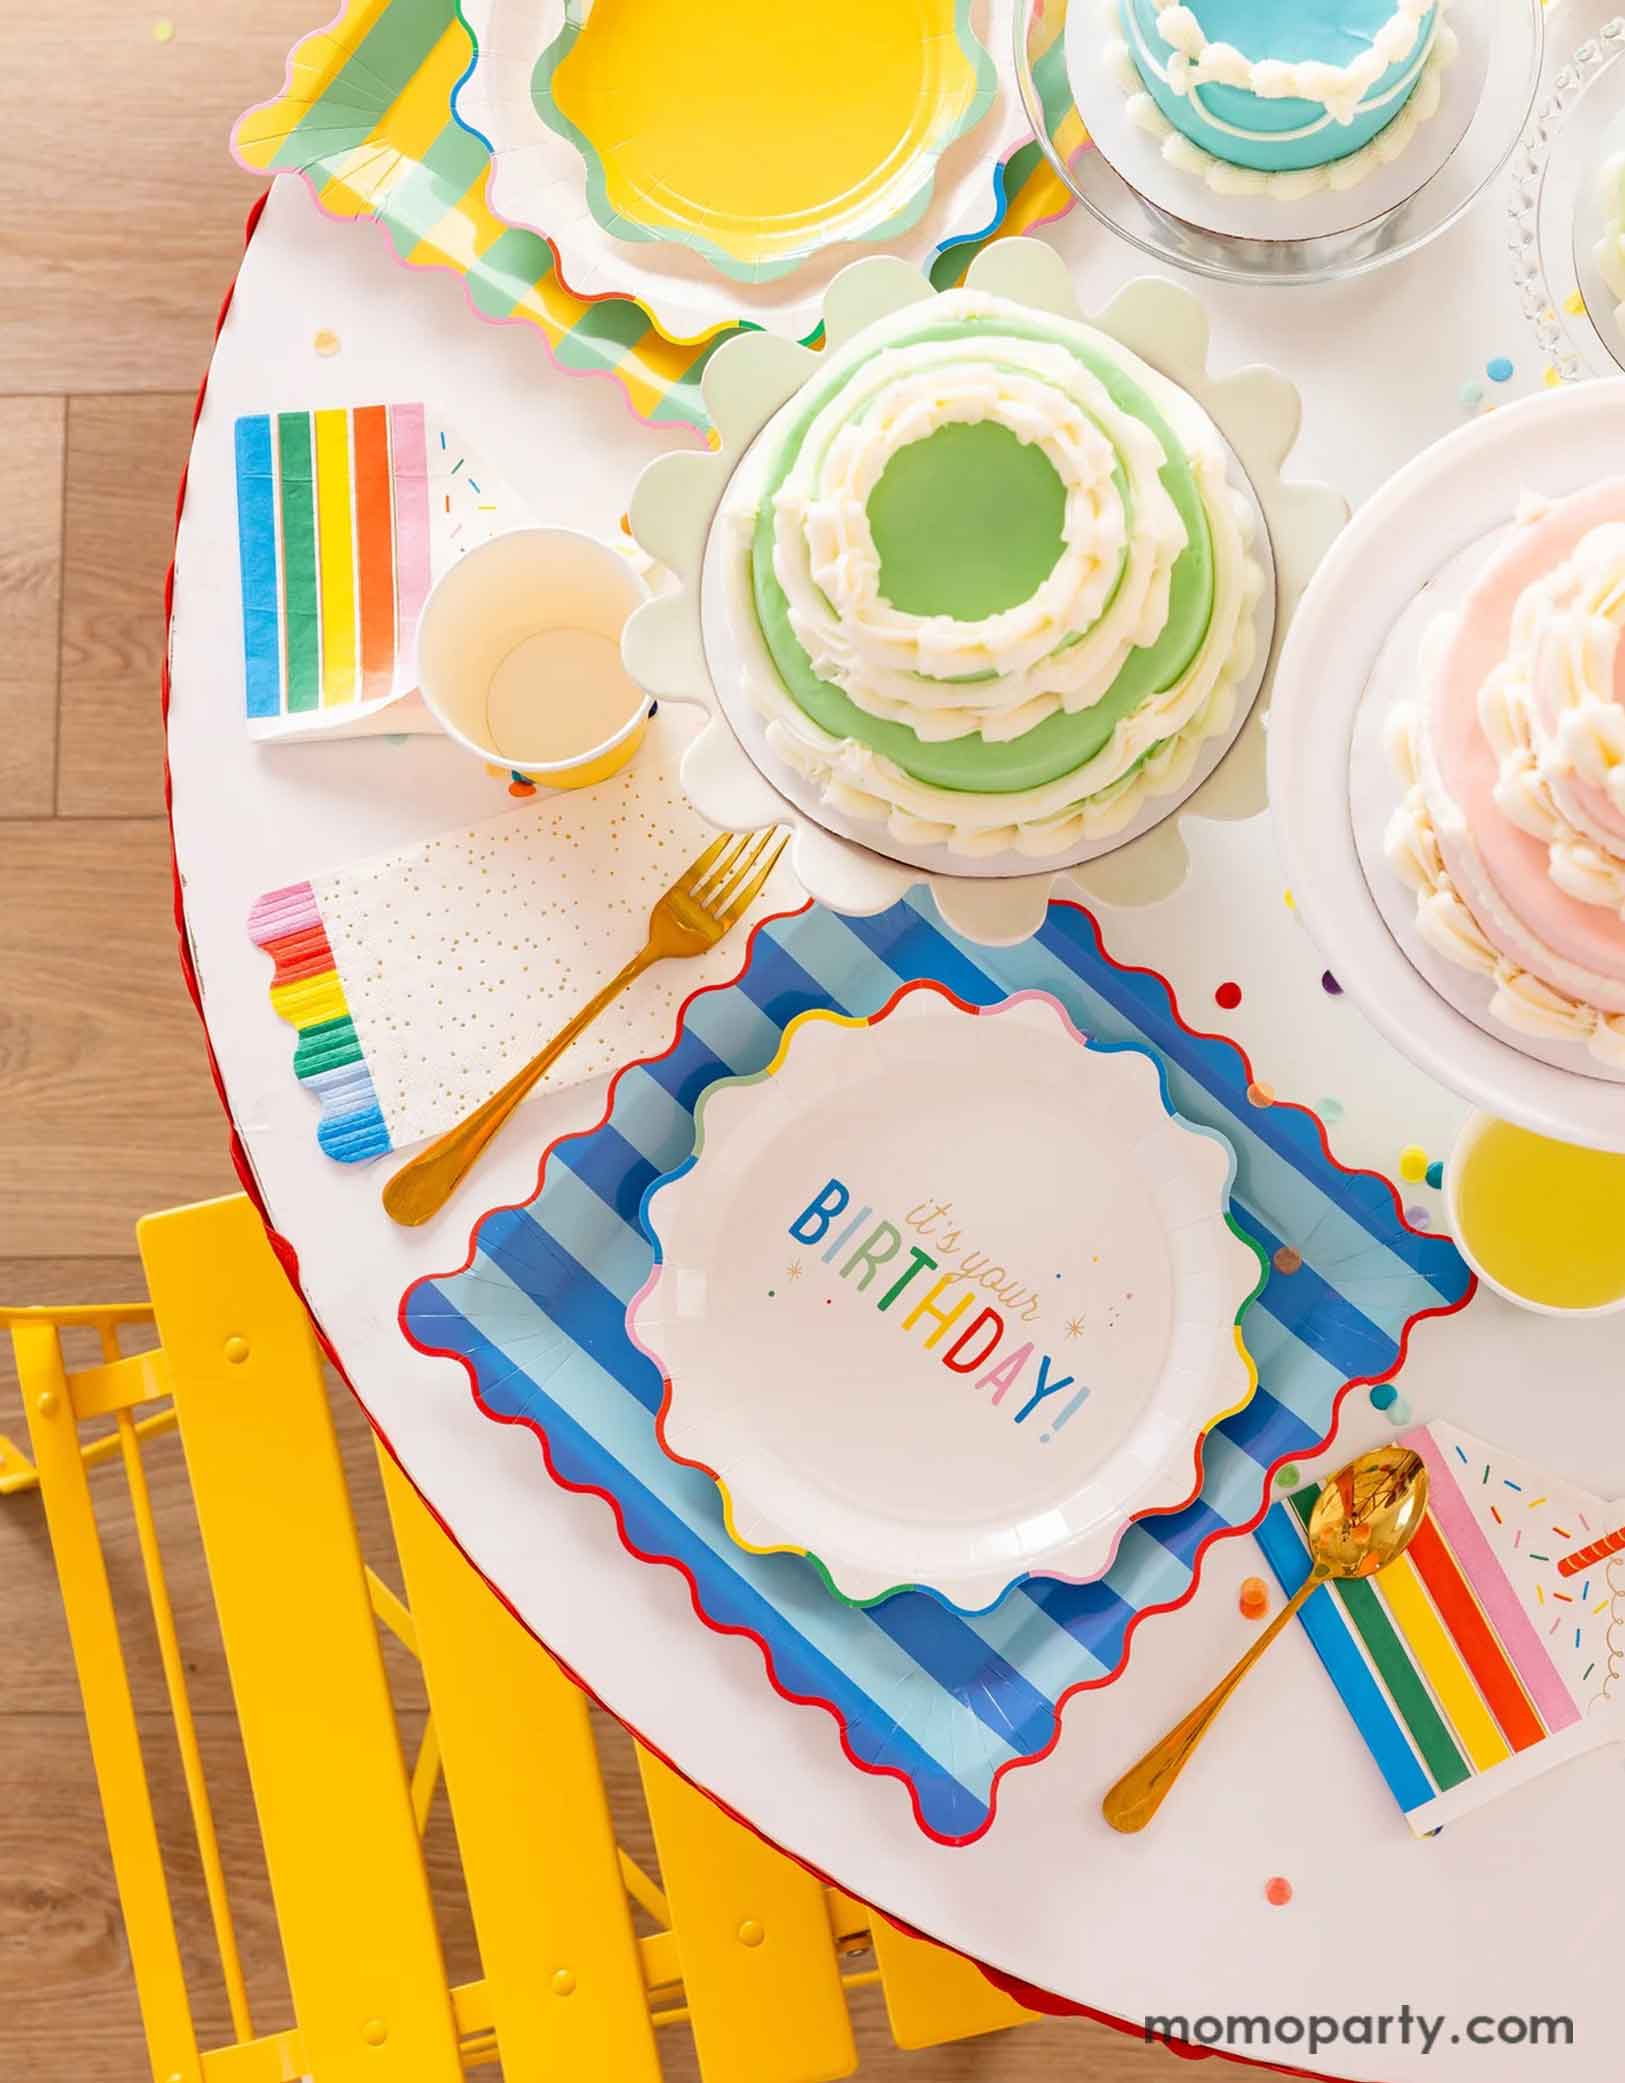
(737, 1941)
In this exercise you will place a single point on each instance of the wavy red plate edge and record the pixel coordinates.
(1110, 1677)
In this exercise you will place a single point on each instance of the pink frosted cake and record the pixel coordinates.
(1512, 829)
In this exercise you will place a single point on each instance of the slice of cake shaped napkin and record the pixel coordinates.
(1494, 1649)
(345, 520)
(419, 982)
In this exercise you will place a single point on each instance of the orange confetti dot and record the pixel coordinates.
(1261, 1095)
(326, 341)
(1288, 1260)
(1278, 1892)
(1255, 1599)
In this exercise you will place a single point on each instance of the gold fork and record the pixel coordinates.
(702, 906)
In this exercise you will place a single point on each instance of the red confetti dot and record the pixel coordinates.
(1278, 1892)
(1228, 996)
(521, 788)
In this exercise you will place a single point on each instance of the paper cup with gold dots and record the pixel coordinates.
(519, 656)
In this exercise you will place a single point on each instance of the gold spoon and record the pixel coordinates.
(1363, 1519)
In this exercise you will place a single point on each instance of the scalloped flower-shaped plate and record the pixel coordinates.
(1004, 1329)
(749, 379)
(687, 156)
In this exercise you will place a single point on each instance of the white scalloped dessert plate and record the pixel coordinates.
(1414, 529)
(854, 868)
(945, 1298)
(540, 181)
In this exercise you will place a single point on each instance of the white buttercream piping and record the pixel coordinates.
(1448, 925)
(1551, 717)
(1061, 649)
(1223, 177)
(1199, 61)
(1149, 753)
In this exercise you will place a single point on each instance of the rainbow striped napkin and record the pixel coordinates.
(1494, 1649)
(345, 519)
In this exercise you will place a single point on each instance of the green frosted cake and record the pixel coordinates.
(990, 580)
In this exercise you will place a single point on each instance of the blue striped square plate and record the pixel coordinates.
(943, 1702)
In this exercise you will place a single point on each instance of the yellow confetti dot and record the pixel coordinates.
(1553, 380)
(1575, 305)
(1413, 1163)
(1289, 900)
(163, 30)
(326, 342)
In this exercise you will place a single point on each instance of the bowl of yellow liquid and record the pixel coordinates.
(1541, 1222)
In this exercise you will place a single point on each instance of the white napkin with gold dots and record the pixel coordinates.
(419, 982)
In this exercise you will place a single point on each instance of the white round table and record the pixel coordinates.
(1513, 1910)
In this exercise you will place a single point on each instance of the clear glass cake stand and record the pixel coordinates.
(1557, 210)
(1066, 81)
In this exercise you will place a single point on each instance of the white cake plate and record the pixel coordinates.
(1557, 210)
(677, 500)
(1403, 540)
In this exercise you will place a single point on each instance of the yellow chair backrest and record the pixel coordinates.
(743, 1945)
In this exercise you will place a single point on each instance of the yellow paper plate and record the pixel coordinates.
(365, 117)
(757, 135)
(724, 163)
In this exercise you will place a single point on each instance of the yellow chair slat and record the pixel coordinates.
(115, 1743)
(561, 1958)
(341, 1850)
(759, 1964)
(934, 1996)
(120, 1385)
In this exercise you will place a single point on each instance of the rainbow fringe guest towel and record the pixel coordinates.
(1494, 1649)
(419, 982)
(345, 519)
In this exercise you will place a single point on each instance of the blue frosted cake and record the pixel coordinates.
(1288, 96)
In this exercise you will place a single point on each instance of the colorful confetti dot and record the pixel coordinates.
(1228, 996)
(1418, 1217)
(1330, 985)
(326, 341)
(516, 787)
(1472, 396)
(1384, 1396)
(1288, 1260)
(1290, 1477)
(1261, 1095)
(1552, 378)
(1255, 1599)
(1289, 900)
(1278, 1892)
(163, 30)
(1330, 1110)
(1436, 1174)
(1575, 304)
(1501, 370)
(1413, 1163)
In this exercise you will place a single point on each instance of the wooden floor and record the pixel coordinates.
(123, 224)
